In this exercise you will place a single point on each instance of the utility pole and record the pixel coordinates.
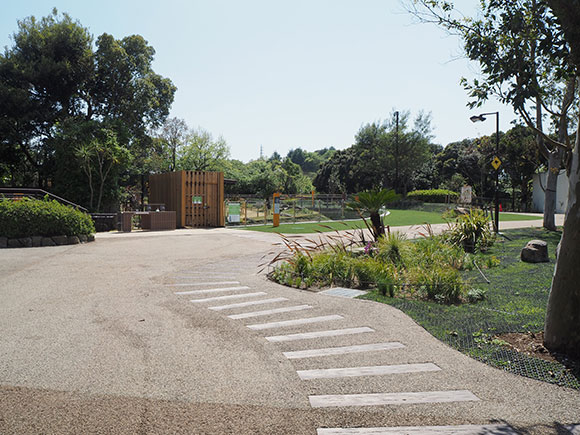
(397, 151)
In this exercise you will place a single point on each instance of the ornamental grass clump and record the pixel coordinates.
(471, 231)
(428, 268)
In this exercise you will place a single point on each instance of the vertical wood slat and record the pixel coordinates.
(177, 189)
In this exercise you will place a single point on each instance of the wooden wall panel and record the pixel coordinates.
(177, 191)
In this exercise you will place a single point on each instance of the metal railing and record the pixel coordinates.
(30, 192)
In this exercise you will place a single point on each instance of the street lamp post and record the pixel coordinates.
(496, 161)
(397, 151)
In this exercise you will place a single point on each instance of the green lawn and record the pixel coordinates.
(515, 302)
(395, 219)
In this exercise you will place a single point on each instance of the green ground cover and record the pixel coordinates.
(395, 219)
(516, 300)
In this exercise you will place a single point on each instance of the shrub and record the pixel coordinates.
(472, 232)
(476, 295)
(31, 217)
(434, 195)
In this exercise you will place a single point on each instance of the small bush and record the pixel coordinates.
(31, 217)
(434, 195)
(475, 295)
(472, 232)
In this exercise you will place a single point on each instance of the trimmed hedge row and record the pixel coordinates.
(31, 217)
(433, 195)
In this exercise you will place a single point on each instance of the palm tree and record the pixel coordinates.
(370, 202)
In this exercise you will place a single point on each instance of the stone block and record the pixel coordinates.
(73, 240)
(60, 240)
(36, 241)
(3, 242)
(536, 251)
(25, 242)
(14, 243)
(47, 241)
(83, 238)
(90, 238)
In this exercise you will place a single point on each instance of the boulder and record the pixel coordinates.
(83, 238)
(36, 241)
(73, 240)
(536, 251)
(3, 242)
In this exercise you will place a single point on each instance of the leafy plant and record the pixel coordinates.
(471, 231)
(371, 202)
(434, 195)
(31, 217)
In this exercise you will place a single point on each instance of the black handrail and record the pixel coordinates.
(12, 192)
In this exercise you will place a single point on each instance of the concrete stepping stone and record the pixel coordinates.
(310, 353)
(319, 334)
(377, 399)
(224, 298)
(348, 372)
(247, 304)
(294, 322)
(343, 292)
(270, 312)
(213, 290)
(497, 429)
(196, 284)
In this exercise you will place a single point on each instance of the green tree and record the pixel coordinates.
(380, 152)
(54, 76)
(524, 62)
(561, 332)
(202, 152)
(174, 132)
(371, 202)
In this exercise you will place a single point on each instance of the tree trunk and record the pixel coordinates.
(554, 162)
(562, 330)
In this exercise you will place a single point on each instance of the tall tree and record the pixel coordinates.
(174, 132)
(563, 314)
(54, 76)
(202, 153)
(523, 62)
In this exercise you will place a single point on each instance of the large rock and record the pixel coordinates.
(3, 242)
(536, 251)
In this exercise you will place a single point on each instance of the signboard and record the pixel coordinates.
(466, 193)
(276, 217)
(234, 209)
(197, 199)
(496, 163)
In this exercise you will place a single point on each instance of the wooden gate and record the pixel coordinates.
(197, 197)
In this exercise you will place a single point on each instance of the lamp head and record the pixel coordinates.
(477, 118)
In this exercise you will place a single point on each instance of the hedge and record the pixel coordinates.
(31, 217)
(433, 195)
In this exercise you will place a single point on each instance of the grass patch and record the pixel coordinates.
(396, 218)
(515, 301)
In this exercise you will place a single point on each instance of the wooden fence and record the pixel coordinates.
(196, 197)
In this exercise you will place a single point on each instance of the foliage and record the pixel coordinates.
(371, 202)
(515, 302)
(471, 232)
(434, 195)
(201, 152)
(428, 268)
(53, 77)
(30, 217)
(381, 157)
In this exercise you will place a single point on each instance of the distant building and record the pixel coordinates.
(539, 186)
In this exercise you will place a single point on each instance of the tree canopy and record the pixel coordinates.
(54, 75)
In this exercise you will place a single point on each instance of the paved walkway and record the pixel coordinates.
(176, 332)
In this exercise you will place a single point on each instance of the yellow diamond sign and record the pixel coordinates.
(496, 163)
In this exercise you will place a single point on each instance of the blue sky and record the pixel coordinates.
(282, 75)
